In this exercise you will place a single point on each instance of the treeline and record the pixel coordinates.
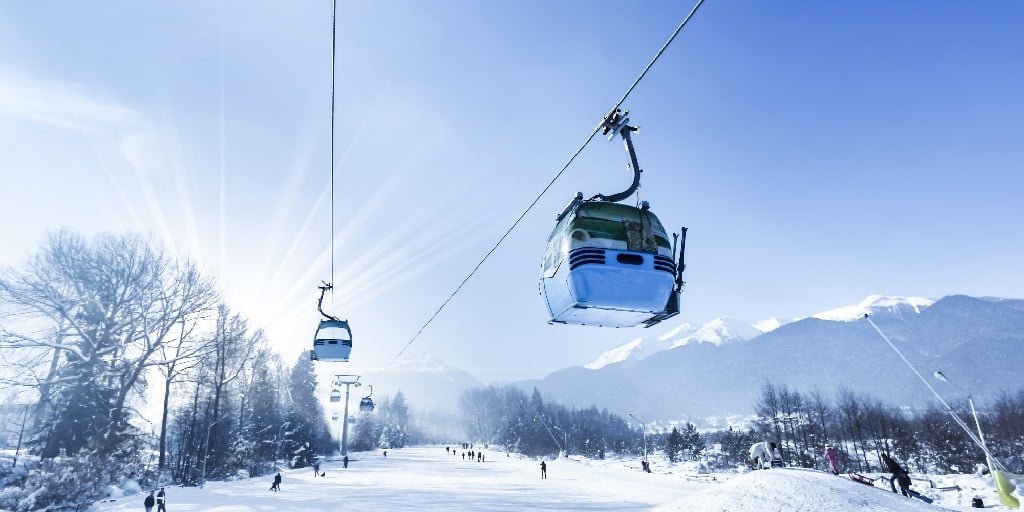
(505, 416)
(863, 427)
(388, 426)
(88, 327)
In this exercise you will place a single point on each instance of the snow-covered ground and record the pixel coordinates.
(425, 479)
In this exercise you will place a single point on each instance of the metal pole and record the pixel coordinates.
(643, 427)
(344, 424)
(645, 440)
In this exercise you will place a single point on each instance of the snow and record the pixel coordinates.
(425, 479)
(720, 331)
(769, 324)
(874, 304)
(717, 332)
(793, 490)
(639, 348)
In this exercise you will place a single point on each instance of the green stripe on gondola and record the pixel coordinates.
(611, 229)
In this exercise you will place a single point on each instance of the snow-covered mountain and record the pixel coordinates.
(875, 304)
(717, 369)
(720, 331)
(717, 332)
(639, 348)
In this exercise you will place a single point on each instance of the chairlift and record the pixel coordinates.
(609, 264)
(366, 403)
(333, 338)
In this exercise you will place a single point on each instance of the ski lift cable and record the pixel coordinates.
(334, 43)
(550, 183)
(956, 418)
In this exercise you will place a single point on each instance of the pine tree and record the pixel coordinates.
(673, 445)
(692, 442)
(307, 427)
(394, 422)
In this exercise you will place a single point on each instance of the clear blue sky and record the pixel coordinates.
(818, 152)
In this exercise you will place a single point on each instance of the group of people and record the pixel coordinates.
(470, 453)
(767, 454)
(160, 500)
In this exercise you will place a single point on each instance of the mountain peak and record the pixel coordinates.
(719, 331)
(874, 304)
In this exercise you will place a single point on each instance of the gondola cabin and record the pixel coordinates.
(366, 404)
(610, 265)
(332, 341)
(335, 395)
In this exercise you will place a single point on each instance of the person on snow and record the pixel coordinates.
(899, 475)
(316, 469)
(344, 461)
(276, 486)
(759, 455)
(479, 457)
(149, 502)
(543, 469)
(463, 455)
(832, 459)
(776, 453)
(446, 449)
(161, 501)
(385, 454)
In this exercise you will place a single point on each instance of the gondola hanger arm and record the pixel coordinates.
(617, 123)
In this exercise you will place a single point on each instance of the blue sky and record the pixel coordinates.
(818, 152)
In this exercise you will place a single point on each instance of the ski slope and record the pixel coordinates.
(425, 479)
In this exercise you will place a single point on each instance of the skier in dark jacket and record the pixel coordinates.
(150, 501)
(161, 501)
(543, 469)
(316, 469)
(277, 483)
(344, 461)
(899, 475)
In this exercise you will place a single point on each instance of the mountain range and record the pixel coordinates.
(717, 369)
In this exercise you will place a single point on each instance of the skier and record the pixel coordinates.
(543, 470)
(479, 457)
(463, 455)
(899, 475)
(161, 501)
(385, 454)
(832, 458)
(316, 469)
(344, 461)
(446, 449)
(276, 486)
(150, 501)
(483, 458)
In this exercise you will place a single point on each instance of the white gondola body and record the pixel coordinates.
(608, 265)
(333, 341)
